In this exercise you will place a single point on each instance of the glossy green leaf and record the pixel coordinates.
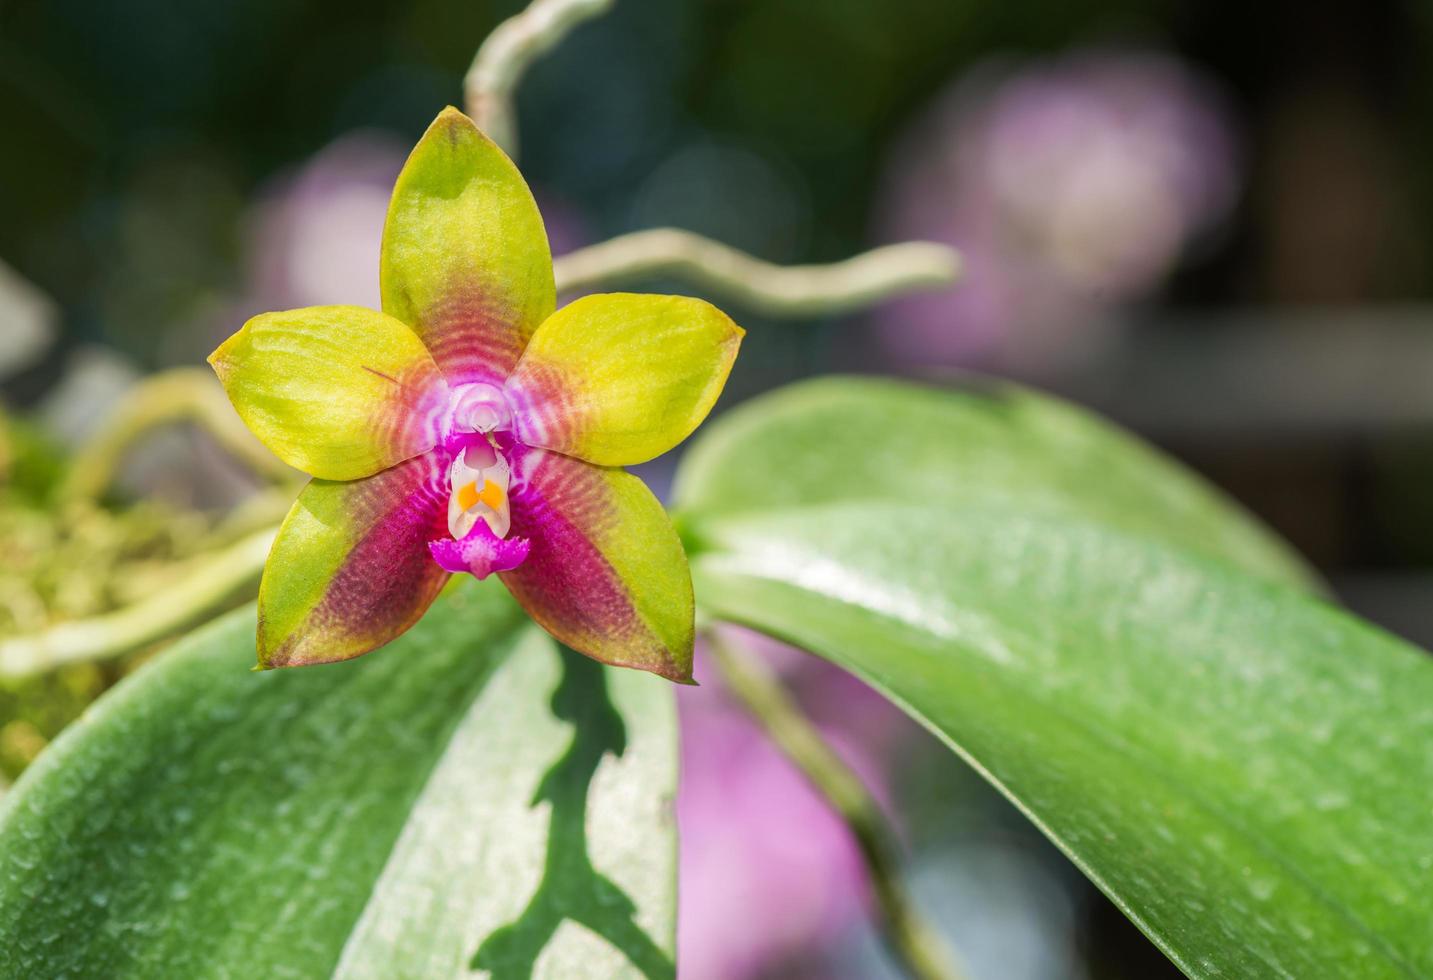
(1242, 767)
(469, 796)
(982, 445)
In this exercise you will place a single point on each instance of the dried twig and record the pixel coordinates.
(506, 54)
(794, 290)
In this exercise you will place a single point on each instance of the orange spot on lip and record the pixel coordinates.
(468, 495)
(492, 495)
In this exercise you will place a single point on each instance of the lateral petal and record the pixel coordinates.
(339, 392)
(605, 572)
(350, 569)
(618, 378)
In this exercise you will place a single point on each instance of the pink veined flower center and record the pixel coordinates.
(479, 476)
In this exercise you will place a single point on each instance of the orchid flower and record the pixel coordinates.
(473, 427)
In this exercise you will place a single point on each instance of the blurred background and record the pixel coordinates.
(1212, 221)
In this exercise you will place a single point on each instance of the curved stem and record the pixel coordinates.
(222, 575)
(910, 937)
(506, 54)
(795, 290)
(180, 395)
(805, 290)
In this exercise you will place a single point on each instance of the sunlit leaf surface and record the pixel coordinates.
(984, 445)
(1241, 766)
(470, 796)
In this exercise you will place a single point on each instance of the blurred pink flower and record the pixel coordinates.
(316, 232)
(1071, 187)
(768, 873)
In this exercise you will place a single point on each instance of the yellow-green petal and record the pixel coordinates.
(339, 392)
(350, 568)
(618, 378)
(465, 259)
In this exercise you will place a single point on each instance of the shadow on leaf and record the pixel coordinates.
(571, 888)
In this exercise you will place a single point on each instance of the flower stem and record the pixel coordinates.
(179, 395)
(506, 54)
(803, 290)
(777, 290)
(912, 939)
(220, 576)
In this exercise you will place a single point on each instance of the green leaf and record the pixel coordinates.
(987, 444)
(1240, 766)
(470, 794)
(1243, 769)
